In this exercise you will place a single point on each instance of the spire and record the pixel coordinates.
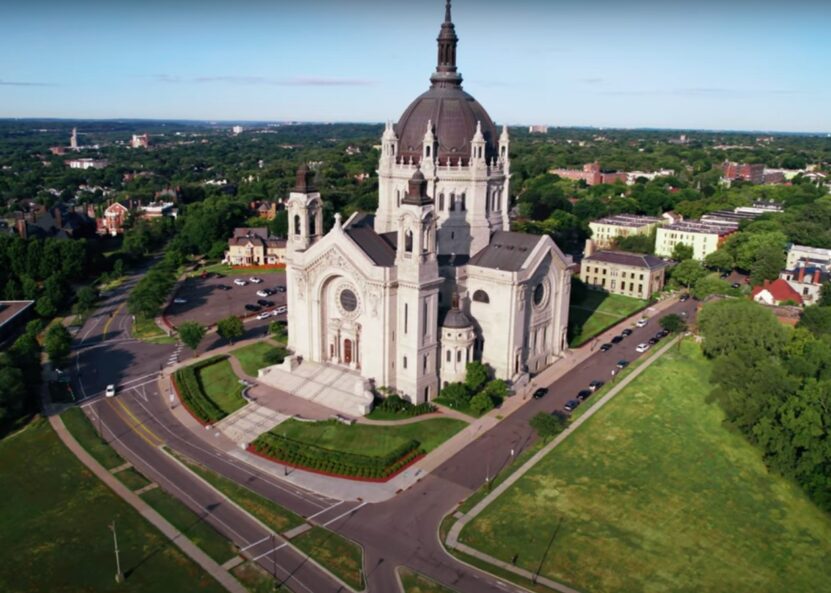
(446, 74)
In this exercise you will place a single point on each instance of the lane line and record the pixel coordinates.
(153, 439)
(113, 315)
(280, 547)
(310, 517)
(259, 541)
(341, 516)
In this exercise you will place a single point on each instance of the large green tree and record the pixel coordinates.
(191, 333)
(57, 343)
(230, 328)
(738, 325)
(687, 272)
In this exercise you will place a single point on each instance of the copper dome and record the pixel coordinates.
(453, 112)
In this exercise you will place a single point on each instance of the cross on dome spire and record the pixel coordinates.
(447, 18)
(446, 73)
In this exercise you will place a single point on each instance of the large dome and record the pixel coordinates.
(454, 114)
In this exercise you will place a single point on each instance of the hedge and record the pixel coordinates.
(191, 392)
(402, 407)
(303, 454)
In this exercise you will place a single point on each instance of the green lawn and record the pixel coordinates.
(227, 270)
(412, 582)
(222, 386)
(189, 523)
(254, 357)
(369, 439)
(654, 494)
(54, 518)
(146, 330)
(256, 579)
(593, 311)
(270, 513)
(463, 409)
(132, 479)
(80, 427)
(343, 557)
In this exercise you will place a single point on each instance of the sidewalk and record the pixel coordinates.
(224, 578)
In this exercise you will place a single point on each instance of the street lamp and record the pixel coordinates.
(118, 576)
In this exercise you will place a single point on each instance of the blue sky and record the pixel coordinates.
(704, 64)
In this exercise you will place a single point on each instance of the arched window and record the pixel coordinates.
(297, 224)
(312, 222)
(428, 152)
(408, 242)
(480, 296)
(463, 202)
(397, 197)
(504, 151)
(441, 202)
(452, 202)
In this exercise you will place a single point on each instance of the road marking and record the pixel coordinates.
(138, 379)
(110, 320)
(310, 517)
(138, 423)
(341, 516)
(259, 541)
(283, 545)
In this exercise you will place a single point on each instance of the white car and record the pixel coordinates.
(263, 293)
(642, 347)
(280, 310)
(255, 280)
(642, 322)
(264, 315)
(180, 301)
(110, 391)
(240, 282)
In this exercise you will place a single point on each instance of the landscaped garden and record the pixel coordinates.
(360, 450)
(54, 524)
(257, 356)
(593, 311)
(210, 389)
(146, 330)
(654, 493)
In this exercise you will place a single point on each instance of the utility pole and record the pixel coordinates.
(118, 576)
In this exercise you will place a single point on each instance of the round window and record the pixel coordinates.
(348, 300)
(539, 294)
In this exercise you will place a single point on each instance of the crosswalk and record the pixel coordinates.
(174, 356)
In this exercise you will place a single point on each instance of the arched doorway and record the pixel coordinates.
(347, 351)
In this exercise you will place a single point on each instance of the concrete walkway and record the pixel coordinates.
(174, 535)
(456, 530)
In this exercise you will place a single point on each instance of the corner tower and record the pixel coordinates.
(450, 137)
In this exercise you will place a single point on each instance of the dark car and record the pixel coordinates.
(280, 288)
(617, 339)
(662, 334)
(223, 287)
(570, 405)
(584, 394)
(685, 297)
(265, 303)
(622, 364)
(626, 333)
(652, 341)
(606, 347)
(252, 308)
(596, 384)
(541, 392)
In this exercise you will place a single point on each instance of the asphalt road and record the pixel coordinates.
(400, 531)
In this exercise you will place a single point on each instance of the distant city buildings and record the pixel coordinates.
(538, 129)
(158, 210)
(114, 218)
(592, 175)
(73, 140)
(620, 272)
(803, 255)
(87, 163)
(237, 130)
(61, 222)
(606, 230)
(140, 141)
(703, 237)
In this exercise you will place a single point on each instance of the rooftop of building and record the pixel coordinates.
(807, 249)
(626, 258)
(634, 220)
(695, 226)
(779, 289)
(380, 248)
(507, 251)
(11, 309)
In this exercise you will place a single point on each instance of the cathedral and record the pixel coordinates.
(406, 297)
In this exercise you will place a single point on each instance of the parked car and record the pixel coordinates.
(617, 339)
(223, 287)
(570, 405)
(583, 394)
(180, 301)
(265, 303)
(264, 315)
(652, 341)
(642, 347)
(606, 347)
(736, 285)
(642, 322)
(253, 308)
(280, 288)
(263, 293)
(110, 391)
(685, 297)
(540, 392)
(626, 333)
(596, 384)
(622, 364)
(240, 282)
(279, 310)
(255, 280)
(662, 334)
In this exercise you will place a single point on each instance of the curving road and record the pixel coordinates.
(400, 531)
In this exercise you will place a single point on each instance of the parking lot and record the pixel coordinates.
(208, 300)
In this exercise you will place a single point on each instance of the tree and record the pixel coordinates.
(636, 243)
(719, 260)
(12, 393)
(481, 403)
(548, 425)
(230, 328)
(740, 326)
(825, 295)
(496, 390)
(767, 263)
(687, 272)
(711, 284)
(57, 344)
(191, 334)
(682, 252)
(673, 323)
(817, 320)
(476, 375)
(456, 395)
(86, 299)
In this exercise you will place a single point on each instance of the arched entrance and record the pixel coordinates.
(347, 351)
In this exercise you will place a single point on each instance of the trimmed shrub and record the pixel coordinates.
(192, 393)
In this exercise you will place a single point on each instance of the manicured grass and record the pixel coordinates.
(221, 386)
(276, 517)
(593, 311)
(81, 428)
(54, 528)
(654, 493)
(412, 582)
(341, 556)
(132, 479)
(256, 579)
(146, 330)
(189, 523)
(464, 409)
(227, 270)
(369, 439)
(254, 357)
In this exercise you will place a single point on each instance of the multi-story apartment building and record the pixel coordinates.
(606, 230)
(703, 237)
(810, 255)
(620, 272)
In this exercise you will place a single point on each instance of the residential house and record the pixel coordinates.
(255, 247)
(807, 280)
(620, 272)
(776, 293)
